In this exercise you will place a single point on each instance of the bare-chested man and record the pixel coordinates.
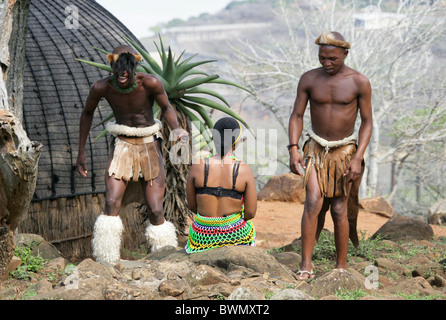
(136, 153)
(333, 155)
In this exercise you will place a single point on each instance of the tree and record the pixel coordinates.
(395, 50)
(18, 155)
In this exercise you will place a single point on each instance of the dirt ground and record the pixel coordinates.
(278, 223)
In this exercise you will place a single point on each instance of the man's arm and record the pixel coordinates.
(353, 170)
(91, 104)
(296, 126)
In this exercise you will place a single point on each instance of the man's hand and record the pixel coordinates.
(354, 170)
(296, 160)
(81, 165)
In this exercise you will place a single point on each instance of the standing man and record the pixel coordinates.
(136, 153)
(333, 158)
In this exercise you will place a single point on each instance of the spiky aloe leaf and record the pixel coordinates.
(195, 82)
(195, 121)
(215, 105)
(97, 65)
(170, 71)
(229, 83)
(183, 68)
(107, 118)
(201, 111)
(202, 90)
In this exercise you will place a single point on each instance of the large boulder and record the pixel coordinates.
(437, 213)
(400, 227)
(285, 187)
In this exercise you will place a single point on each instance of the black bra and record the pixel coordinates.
(219, 191)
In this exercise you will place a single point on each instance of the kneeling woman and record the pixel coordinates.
(221, 190)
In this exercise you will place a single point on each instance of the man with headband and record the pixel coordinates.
(333, 154)
(136, 151)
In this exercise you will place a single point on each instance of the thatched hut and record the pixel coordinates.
(64, 205)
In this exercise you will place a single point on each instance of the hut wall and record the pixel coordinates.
(67, 223)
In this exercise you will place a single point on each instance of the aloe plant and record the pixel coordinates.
(184, 85)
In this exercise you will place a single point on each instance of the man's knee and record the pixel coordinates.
(339, 210)
(113, 203)
(313, 205)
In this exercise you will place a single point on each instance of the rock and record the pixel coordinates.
(205, 275)
(410, 286)
(43, 286)
(291, 294)
(13, 265)
(242, 293)
(289, 259)
(389, 266)
(437, 213)
(254, 258)
(335, 281)
(377, 205)
(400, 227)
(172, 288)
(423, 267)
(285, 187)
(42, 247)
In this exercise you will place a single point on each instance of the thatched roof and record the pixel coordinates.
(56, 87)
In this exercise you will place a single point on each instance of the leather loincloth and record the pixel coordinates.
(330, 159)
(135, 155)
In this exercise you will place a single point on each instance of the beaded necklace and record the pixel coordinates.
(128, 90)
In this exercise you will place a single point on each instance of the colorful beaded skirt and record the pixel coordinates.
(215, 232)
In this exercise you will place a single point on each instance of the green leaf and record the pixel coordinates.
(190, 73)
(196, 120)
(230, 83)
(101, 50)
(201, 111)
(103, 133)
(201, 90)
(195, 82)
(215, 105)
(169, 72)
(97, 65)
(186, 67)
(107, 118)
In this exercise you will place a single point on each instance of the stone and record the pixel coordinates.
(205, 275)
(377, 205)
(291, 294)
(285, 187)
(254, 258)
(242, 293)
(43, 286)
(437, 213)
(172, 288)
(400, 227)
(413, 285)
(335, 281)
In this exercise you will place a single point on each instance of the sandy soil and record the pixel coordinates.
(278, 223)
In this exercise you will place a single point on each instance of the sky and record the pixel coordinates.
(139, 15)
